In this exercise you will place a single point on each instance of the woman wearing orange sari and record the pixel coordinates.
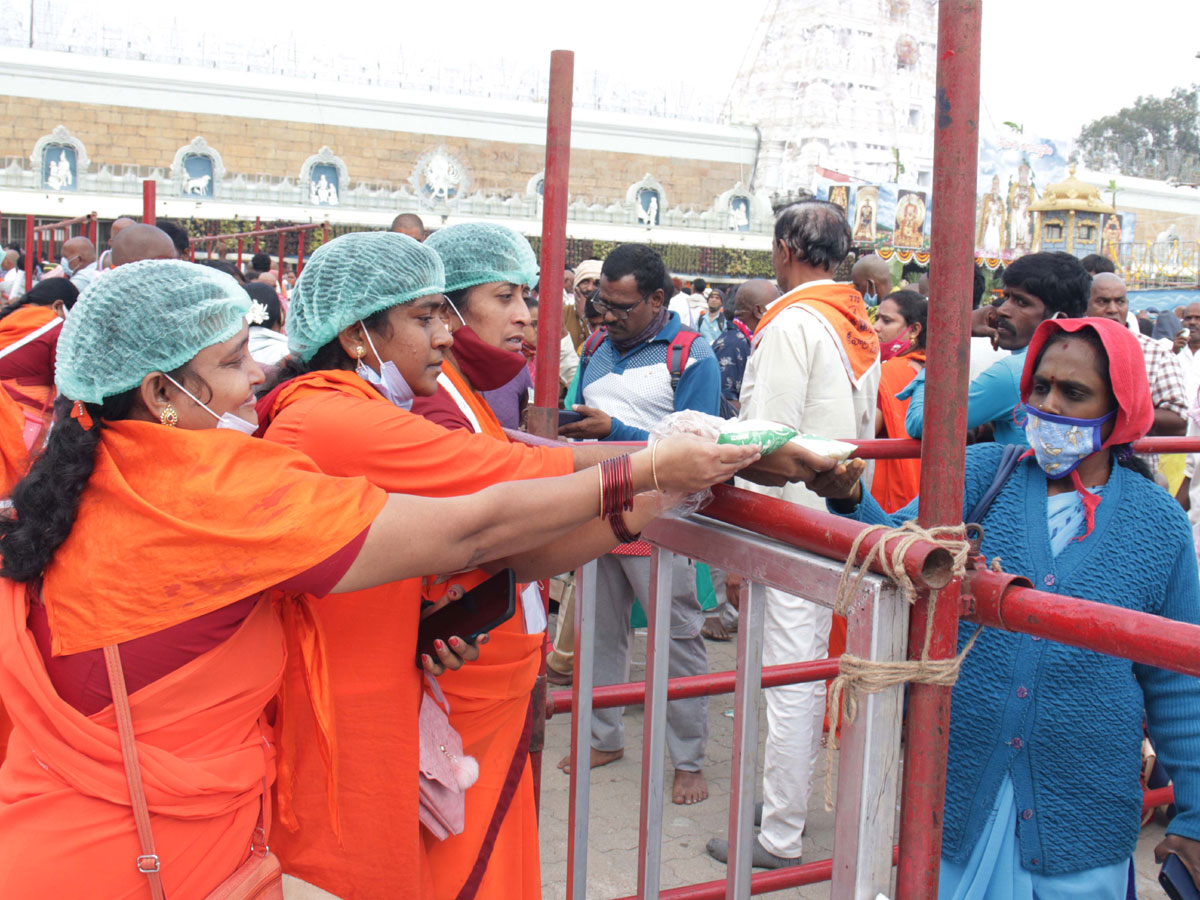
(365, 345)
(142, 526)
(900, 324)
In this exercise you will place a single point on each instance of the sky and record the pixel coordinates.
(1048, 66)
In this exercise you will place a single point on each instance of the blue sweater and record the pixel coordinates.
(634, 388)
(1066, 723)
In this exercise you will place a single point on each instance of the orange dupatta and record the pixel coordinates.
(841, 309)
(25, 320)
(896, 481)
(204, 519)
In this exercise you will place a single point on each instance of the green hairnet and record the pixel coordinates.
(354, 276)
(148, 316)
(478, 253)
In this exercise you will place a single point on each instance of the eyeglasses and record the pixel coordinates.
(620, 313)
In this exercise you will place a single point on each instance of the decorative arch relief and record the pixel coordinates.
(648, 199)
(740, 210)
(441, 176)
(60, 159)
(323, 178)
(196, 169)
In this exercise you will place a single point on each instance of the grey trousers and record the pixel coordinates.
(618, 580)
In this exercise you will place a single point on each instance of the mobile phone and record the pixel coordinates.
(567, 416)
(481, 609)
(1176, 880)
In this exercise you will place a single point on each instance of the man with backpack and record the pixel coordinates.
(640, 368)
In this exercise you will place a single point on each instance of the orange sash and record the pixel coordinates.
(14, 456)
(203, 518)
(204, 748)
(896, 481)
(841, 307)
(23, 321)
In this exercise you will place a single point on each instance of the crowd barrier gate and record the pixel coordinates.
(772, 543)
(258, 234)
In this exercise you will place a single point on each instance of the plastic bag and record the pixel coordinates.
(697, 424)
(769, 436)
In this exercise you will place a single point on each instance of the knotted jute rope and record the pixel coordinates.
(864, 676)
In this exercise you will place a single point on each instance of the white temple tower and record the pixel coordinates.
(839, 84)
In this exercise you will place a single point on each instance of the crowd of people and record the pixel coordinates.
(234, 496)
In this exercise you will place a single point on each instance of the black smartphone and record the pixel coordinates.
(567, 416)
(1176, 880)
(480, 610)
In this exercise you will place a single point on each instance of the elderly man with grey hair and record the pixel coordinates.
(814, 366)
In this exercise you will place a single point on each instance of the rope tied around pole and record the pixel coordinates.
(864, 676)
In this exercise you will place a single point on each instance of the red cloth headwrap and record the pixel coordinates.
(1127, 373)
(1126, 370)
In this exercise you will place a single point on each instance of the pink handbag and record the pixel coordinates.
(258, 878)
(445, 771)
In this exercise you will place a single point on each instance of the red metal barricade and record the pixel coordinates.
(41, 240)
(280, 235)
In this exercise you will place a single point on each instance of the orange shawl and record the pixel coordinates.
(475, 406)
(23, 321)
(365, 668)
(14, 455)
(896, 481)
(205, 753)
(842, 310)
(176, 523)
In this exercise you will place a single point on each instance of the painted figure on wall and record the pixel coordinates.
(910, 220)
(58, 168)
(990, 234)
(1111, 237)
(323, 186)
(867, 201)
(839, 195)
(648, 202)
(739, 214)
(1020, 195)
(197, 175)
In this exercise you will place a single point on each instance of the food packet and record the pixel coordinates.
(769, 436)
(839, 451)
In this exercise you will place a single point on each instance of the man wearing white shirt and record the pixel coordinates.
(815, 368)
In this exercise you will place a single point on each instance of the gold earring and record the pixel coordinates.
(359, 351)
(168, 416)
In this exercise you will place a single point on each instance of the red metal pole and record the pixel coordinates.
(93, 228)
(239, 249)
(906, 448)
(543, 418)
(282, 238)
(30, 237)
(149, 188)
(543, 415)
(634, 693)
(830, 536)
(301, 238)
(257, 227)
(993, 599)
(955, 164)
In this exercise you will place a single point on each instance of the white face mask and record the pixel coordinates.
(388, 379)
(66, 266)
(225, 420)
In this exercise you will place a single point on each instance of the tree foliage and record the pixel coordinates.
(1157, 137)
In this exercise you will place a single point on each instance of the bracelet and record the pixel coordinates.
(654, 466)
(621, 530)
(616, 486)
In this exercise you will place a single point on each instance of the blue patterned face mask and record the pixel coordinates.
(1061, 443)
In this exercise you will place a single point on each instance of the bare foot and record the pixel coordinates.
(714, 629)
(689, 788)
(599, 758)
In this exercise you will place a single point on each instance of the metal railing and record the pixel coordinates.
(47, 236)
(261, 234)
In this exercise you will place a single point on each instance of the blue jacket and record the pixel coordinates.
(994, 394)
(1066, 723)
(635, 388)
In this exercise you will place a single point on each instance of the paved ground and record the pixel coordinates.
(612, 857)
